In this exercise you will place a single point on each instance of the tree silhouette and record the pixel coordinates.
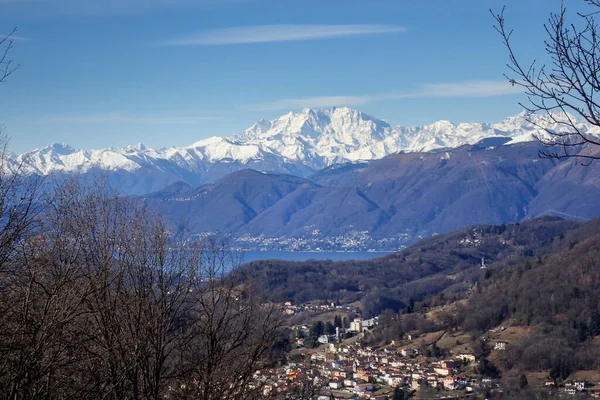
(7, 65)
(523, 383)
(568, 88)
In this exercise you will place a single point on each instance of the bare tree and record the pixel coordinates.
(232, 332)
(20, 203)
(101, 301)
(7, 65)
(20, 194)
(41, 308)
(566, 90)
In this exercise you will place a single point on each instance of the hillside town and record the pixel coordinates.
(316, 241)
(353, 370)
(350, 369)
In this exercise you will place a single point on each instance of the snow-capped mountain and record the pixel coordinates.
(293, 143)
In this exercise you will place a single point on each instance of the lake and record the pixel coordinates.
(311, 255)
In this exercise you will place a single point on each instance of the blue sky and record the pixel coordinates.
(171, 72)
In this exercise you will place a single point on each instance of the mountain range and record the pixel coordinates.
(337, 179)
(298, 144)
(386, 203)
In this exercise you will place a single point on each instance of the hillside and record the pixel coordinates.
(538, 294)
(543, 307)
(555, 297)
(227, 204)
(449, 262)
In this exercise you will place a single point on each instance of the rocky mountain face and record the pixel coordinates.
(387, 203)
(297, 144)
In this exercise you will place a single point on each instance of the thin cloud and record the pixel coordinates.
(277, 33)
(5, 37)
(129, 119)
(436, 90)
(468, 89)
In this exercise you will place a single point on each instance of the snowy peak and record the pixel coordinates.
(525, 126)
(138, 147)
(56, 149)
(325, 135)
(295, 142)
(342, 122)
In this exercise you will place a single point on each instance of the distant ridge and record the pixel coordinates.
(388, 203)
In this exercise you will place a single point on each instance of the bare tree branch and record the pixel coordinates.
(7, 65)
(565, 91)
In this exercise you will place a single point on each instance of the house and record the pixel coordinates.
(501, 345)
(449, 382)
(336, 384)
(466, 357)
(369, 323)
(398, 362)
(364, 387)
(356, 325)
(462, 381)
(581, 385)
(349, 382)
(443, 371)
(361, 374)
(323, 339)
(396, 380)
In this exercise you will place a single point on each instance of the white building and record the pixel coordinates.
(323, 339)
(369, 323)
(356, 325)
(500, 345)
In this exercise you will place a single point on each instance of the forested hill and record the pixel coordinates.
(449, 262)
(556, 297)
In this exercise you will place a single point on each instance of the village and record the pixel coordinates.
(314, 240)
(344, 367)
